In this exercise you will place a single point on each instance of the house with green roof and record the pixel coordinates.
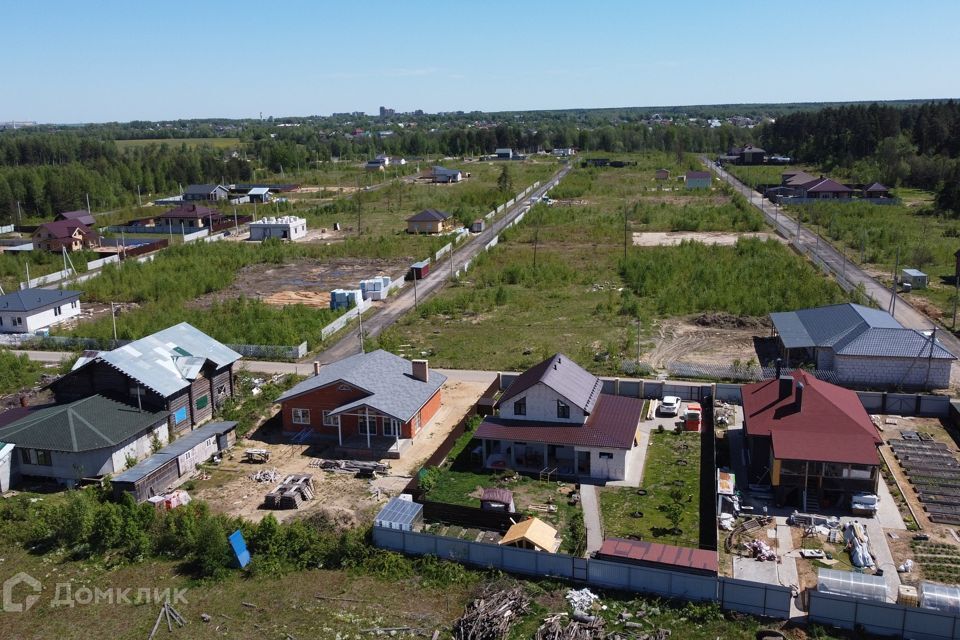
(87, 438)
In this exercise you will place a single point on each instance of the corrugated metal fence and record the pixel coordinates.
(737, 595)
(883, 619)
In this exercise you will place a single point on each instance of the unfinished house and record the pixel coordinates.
(553, 418)
(180, 370)
(371, 404)
(862, 346)
(812, 442)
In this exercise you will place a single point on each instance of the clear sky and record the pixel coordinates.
(95, 61)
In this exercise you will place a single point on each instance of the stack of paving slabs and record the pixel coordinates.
(291, 493)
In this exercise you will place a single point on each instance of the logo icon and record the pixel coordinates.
(12, 606)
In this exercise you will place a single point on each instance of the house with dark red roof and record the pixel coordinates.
(812, 442)
(65, 234)
(554, 416)
(188, 216)
(83, 217)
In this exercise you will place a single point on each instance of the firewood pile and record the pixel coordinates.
(579, 628)
(291, 493)
(490, 616)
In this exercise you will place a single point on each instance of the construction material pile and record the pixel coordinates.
(760, 550)
(581, 599)
(362, 467)
(586, 628)
(265, 475)
(858, 543)
(293, 491)
(490, 616)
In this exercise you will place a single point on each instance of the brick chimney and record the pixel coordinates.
(786, 386)
(421, 370)
(798, 398)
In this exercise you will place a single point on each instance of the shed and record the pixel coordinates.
(259, 194)
(171, 465)
(400, 513)
(851, 584)
(477, 226)
(533, 534)
(497, 500)
(914, 277)
(656, 555)
(419, 270)
(698, 179)
(662, 174)
(940, 597)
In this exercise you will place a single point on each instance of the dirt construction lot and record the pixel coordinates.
(708, 339)
(305, 281)
(673, 238)
(339, 497)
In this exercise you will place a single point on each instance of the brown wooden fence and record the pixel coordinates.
(139, 250)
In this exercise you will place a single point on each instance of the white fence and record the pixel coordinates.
(492, 243)
(190, 237)
(215, 238)
(444, 249)
(738, 595)
(50, 278)
(96, 264)
(882, 618)
(8, 228)
(339, 323)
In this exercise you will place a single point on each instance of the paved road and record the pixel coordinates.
(832, 261)
(435, 280)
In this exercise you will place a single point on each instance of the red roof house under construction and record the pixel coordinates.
(811, 441)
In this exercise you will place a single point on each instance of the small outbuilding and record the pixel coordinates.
(504, 154)
(282, 228)
(175, 463)
(419, 270)
(533, 534)
(259, 194)
(493, 499)
(662, 174)
(477, 226)
(698, 180)
(443, 175)
(401, 513)
(851, 584)
(429, 221)
(914, 277)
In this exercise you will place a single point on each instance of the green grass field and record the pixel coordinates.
(557, 281)
(670, 475)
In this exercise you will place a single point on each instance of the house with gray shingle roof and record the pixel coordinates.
(555, 416)
(863, 347)
(179, 369)
(88, 438)
(429, 221)
(30, 310)
(370, 403)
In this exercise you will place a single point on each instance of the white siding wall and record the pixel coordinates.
(265, 231)
(7, 451)
(200, 453)
(614, 468)
(892, 371)
(139, 448)
(542, 406)
(37, 321)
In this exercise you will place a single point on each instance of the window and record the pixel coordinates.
(563, 410)
(301, 416)
(73, 305)
(202, 402)
(1, 321)
(36, 456)
(367, 426)
(391, 427)
(416, 424)
(17, 322)
(603, 455)
(179, 415)
(329, 420)
(520, 407)
(57, 311)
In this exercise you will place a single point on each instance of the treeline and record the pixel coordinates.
(915, 145)
(49, 173)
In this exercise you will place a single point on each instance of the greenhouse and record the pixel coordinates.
(940, 597)
(849, 583)
(400, 514)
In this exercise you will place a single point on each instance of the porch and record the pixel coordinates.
(372, 447)
(558, 460)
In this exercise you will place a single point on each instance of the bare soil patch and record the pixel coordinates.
(674, 238)
(304, 281)
(683, 199)
(712, 339)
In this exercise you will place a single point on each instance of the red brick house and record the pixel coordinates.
(370, 403)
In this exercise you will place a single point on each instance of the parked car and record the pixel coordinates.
(670, 406)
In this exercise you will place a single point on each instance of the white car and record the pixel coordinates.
(670, 406)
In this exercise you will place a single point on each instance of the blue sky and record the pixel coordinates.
(68, 61)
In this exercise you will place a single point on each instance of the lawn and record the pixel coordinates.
(670, 477)
(459, 481)
(557, 281)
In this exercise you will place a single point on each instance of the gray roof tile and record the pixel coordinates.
(387, 378)
(564, 376)
(30, 299)
(178, 447)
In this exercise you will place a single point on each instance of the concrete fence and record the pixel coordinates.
(271, 352)
(490, 215)
(50, 278)
(214, 238)
(191, 237)
(249, 350)
(737, 595)
(339, 323)
(882, 618)
(96, 264)
(7, 228)
(492, 243)
(443, 250)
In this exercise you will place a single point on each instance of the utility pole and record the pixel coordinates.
(139, 200)
(113, 316)
(88, 204)
(625, 230)
(893, 285)
(360, 317)
(416, 303)
(19, 214)
(933, 340)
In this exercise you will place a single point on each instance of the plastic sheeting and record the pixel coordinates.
(849, 583)
(940, 597)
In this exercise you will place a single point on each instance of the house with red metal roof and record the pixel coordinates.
(812, 442)
(555, 417)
